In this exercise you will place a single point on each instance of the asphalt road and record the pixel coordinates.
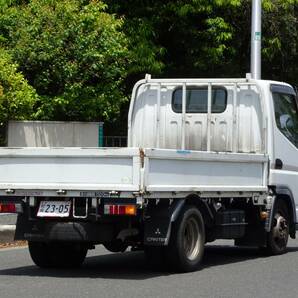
(227, 271)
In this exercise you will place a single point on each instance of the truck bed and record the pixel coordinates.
(130, 169)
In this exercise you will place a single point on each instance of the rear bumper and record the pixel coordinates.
(63, 231)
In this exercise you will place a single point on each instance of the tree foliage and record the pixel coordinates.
(202, 38)
(83, 56)
(73, 53)
(17, 97)
(280, 42)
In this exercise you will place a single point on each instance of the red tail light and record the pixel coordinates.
(7, 208)
(120, 209)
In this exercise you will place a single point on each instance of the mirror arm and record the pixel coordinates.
(296, 97)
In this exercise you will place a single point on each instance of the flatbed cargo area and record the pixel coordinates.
(130, 170)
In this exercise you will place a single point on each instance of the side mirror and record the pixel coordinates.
(286, 121)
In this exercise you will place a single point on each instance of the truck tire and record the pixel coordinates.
(115, 246)
(186, 246)
(277, 238)
(57, 255)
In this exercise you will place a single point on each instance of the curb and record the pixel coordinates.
(7, 233)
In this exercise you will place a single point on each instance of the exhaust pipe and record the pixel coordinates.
(256, 35)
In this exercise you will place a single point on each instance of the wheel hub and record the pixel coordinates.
(280, 230)
(191, 241)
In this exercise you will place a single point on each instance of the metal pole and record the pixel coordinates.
(209, 116)
(256, 35)
(183, 128)
(158, 116)
(100, 134)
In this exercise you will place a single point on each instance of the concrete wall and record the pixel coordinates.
(8, 219)
(53, 134)
(7, 227)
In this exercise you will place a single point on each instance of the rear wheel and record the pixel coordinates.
(57, 255)
(115, 246)
(278, 237)
(186, 247)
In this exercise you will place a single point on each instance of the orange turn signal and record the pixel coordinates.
(263, 215)
(130, 210)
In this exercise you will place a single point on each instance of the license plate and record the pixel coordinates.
(53, 209)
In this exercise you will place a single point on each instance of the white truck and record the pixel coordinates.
(207, 159)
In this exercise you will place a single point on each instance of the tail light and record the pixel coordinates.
(120, 210)
(8, 208)
(11, 207)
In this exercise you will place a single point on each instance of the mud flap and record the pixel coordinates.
(158, 222)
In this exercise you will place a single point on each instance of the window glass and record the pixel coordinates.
(197, 100)
(286, 115)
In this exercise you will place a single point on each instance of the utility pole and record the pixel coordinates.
(256, 36)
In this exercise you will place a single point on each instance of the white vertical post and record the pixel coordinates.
(209, 116)
(234, 120)
(157, 133)
(183, 116)
(256, 35)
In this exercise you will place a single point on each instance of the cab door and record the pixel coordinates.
(285, 133)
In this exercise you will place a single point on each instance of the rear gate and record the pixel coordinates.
(69, 169)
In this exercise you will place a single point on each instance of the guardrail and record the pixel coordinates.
(115, 141)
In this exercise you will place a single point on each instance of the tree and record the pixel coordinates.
(73, 53)
(190, 38)
(201, 38)
(280, 43)
(83, 56)
(17, 97)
